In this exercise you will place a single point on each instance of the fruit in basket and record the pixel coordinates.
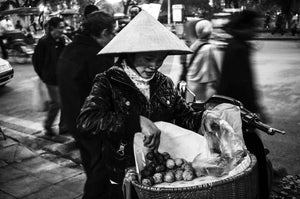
(166, 155)
(158, 178)
(150, 155)
(188, 175)
(187, 166)
(169, 177)
(200, 172)
(179, 162)
(170, 163)
(152, 164)
(159, 158)
(178, 175)
(147, 182)
(147, 171)
(160, 168)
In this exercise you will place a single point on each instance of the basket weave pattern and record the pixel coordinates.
(243, 185)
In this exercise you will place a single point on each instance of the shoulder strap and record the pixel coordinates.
(195, 53)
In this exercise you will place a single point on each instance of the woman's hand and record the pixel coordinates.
(151, 133)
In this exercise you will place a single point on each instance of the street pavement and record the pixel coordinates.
(34, 166)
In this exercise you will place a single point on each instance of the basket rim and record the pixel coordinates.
(202, 186)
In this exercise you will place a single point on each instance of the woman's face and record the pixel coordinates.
(148, 63)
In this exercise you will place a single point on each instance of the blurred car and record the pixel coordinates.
(6, 72)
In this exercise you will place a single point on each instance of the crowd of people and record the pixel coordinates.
(107, 87)
(282, 23)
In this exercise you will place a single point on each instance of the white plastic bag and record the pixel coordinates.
(226, 145)
(40, 96)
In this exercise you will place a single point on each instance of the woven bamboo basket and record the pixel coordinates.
(241, 186)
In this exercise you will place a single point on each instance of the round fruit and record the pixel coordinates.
(187, 166)
(147, 182)
(178, 162)
(160, 168)
(178, 175)
(145, 173)
(159, 158)
(200, 172)
(169, 177)
(166, 155)
(158, 178)
(170, 164)
(150, 155)
(152, 164)
(188, 175)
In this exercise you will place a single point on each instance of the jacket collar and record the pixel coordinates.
(85, 40)
(116, 73)
(49, 38)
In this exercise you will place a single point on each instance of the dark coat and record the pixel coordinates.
(237, 78)
(113, 109)
(45, 58)
(77, 68)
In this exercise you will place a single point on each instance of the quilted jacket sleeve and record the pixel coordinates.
(98, 115)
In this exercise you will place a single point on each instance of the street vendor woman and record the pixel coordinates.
(132, 95)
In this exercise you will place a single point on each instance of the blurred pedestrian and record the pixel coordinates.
(2, 37)
(202, 69)
(44, 61)
(279, 24)
(267, 21)
(294, 22)
(19, 25)
(237, 81)
(77, 67)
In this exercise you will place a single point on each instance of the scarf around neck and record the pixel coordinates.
(141, 83)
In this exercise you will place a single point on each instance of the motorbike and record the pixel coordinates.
(19, 47)
(250, 120)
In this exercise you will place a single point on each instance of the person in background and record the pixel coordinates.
(133, 11)
(131, 95)
(279, 24)
(294, 22)
(7, 24)
(44, 61)
(89, 9)
(77, 68)
(238, 81)
(19, 25)
(202, 69)
(2, 37)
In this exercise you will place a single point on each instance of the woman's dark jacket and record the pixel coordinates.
(113, 109)
(45, 58)
(237, 78)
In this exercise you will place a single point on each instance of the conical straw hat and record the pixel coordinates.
(145, 34)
